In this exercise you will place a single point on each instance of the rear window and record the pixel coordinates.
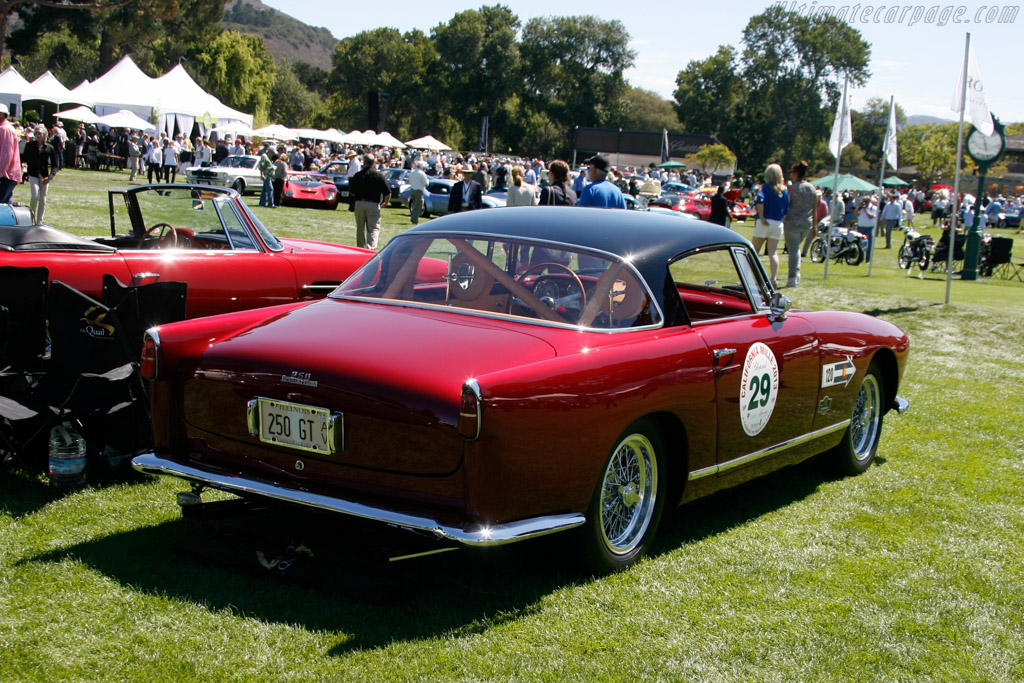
(522, 279)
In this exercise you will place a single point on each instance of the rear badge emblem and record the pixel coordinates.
(303, 378)
(824, 405)
(299, 465)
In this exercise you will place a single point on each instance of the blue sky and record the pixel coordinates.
(916, 60)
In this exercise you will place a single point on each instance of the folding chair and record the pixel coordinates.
(22, 353)
(140, 307)
(998, 263)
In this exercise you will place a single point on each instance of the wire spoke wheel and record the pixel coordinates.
(628, 494)
(867, 417)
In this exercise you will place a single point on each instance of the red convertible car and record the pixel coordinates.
(206, 237)
(572, 370)
(691, 205)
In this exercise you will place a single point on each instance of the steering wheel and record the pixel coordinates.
(567, 269)
(159, 228)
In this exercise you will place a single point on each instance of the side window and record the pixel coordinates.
(753, 276)
(239, 236)
(710, 285)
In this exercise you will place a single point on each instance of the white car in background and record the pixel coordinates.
(237, 171)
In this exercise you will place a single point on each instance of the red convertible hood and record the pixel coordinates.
(395, 372)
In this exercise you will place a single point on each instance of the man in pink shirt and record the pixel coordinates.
(10, 159)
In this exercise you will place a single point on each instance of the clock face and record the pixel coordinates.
(984, 147)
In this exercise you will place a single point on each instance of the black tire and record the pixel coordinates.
(239, 185)
(906, 257)
(628, 501)
(817, 250)
(1001, 223)
(854, 255)
(855, 453)
(924, 261)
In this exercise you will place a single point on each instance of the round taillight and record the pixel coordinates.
(149, 364)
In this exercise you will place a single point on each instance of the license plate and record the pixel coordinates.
(294, 425)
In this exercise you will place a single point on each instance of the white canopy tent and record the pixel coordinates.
(233, 128)
(174, 97)
(428, 142)
(48, 88)
(83, 114)
(277, 132)
(12, 87)
(386, 139)
(125, 119)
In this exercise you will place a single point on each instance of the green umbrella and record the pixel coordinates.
(894, 181)
(847, 183)
(671, 164)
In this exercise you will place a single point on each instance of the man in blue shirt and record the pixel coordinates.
(600, 192)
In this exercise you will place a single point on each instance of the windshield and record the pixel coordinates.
(509, 277)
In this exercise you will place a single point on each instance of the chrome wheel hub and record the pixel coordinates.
(866, 416)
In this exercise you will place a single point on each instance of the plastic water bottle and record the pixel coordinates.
(67, 456)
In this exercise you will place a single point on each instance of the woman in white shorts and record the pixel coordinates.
(772, 205)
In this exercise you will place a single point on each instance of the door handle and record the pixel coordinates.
(722, 353)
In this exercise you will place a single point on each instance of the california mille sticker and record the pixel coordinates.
(837, 373)
(760, 388)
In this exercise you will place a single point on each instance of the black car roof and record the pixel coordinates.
(647, 239)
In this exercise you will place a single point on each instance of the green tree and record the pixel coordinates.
(384, 60)
(646, 110)
(794, 66)
(869, 125)
(713, 157)
(291, 103)
(573, 68)
(239, 71)
(71, 57)
(42, 7)
(709, 93)
(479, 60)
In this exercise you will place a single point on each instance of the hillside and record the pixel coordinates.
(286, 38)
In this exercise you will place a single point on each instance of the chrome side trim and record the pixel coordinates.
(900, 405)
(722, 353)
(150, 463)
(321, 288)
(766, 452)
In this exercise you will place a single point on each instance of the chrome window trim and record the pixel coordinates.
(615, 258)
(766, 452)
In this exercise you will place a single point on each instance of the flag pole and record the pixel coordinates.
(835, 176)
(956, 181)
(881, 176)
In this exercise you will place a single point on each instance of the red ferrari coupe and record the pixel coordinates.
(692, 205)
(204, 236)
(574, 371)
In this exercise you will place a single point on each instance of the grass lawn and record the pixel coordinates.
(911, 571)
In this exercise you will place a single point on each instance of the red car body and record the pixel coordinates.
(698, 207)
(205, 237)
(305, 189)
(533, 387)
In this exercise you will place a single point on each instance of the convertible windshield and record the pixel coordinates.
(538, 281)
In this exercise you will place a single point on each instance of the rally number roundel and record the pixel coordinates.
(760, 388)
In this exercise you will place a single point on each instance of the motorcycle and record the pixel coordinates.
(846, 245)
(917, 249)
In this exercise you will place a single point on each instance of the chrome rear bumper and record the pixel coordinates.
(150, 463)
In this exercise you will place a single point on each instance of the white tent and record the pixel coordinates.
(277, 132)
(125, 119)
(428, 142)
(83, 114)
(233, 128)
(361, 138)
(48, 88)
(386, 139)
(175, 97)
(12, 87)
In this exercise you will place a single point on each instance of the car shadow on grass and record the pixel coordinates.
(259, 565)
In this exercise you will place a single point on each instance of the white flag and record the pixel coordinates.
(977, 108)
(890, 137)
(842, 131)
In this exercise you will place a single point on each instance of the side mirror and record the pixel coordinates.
(778, 307)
